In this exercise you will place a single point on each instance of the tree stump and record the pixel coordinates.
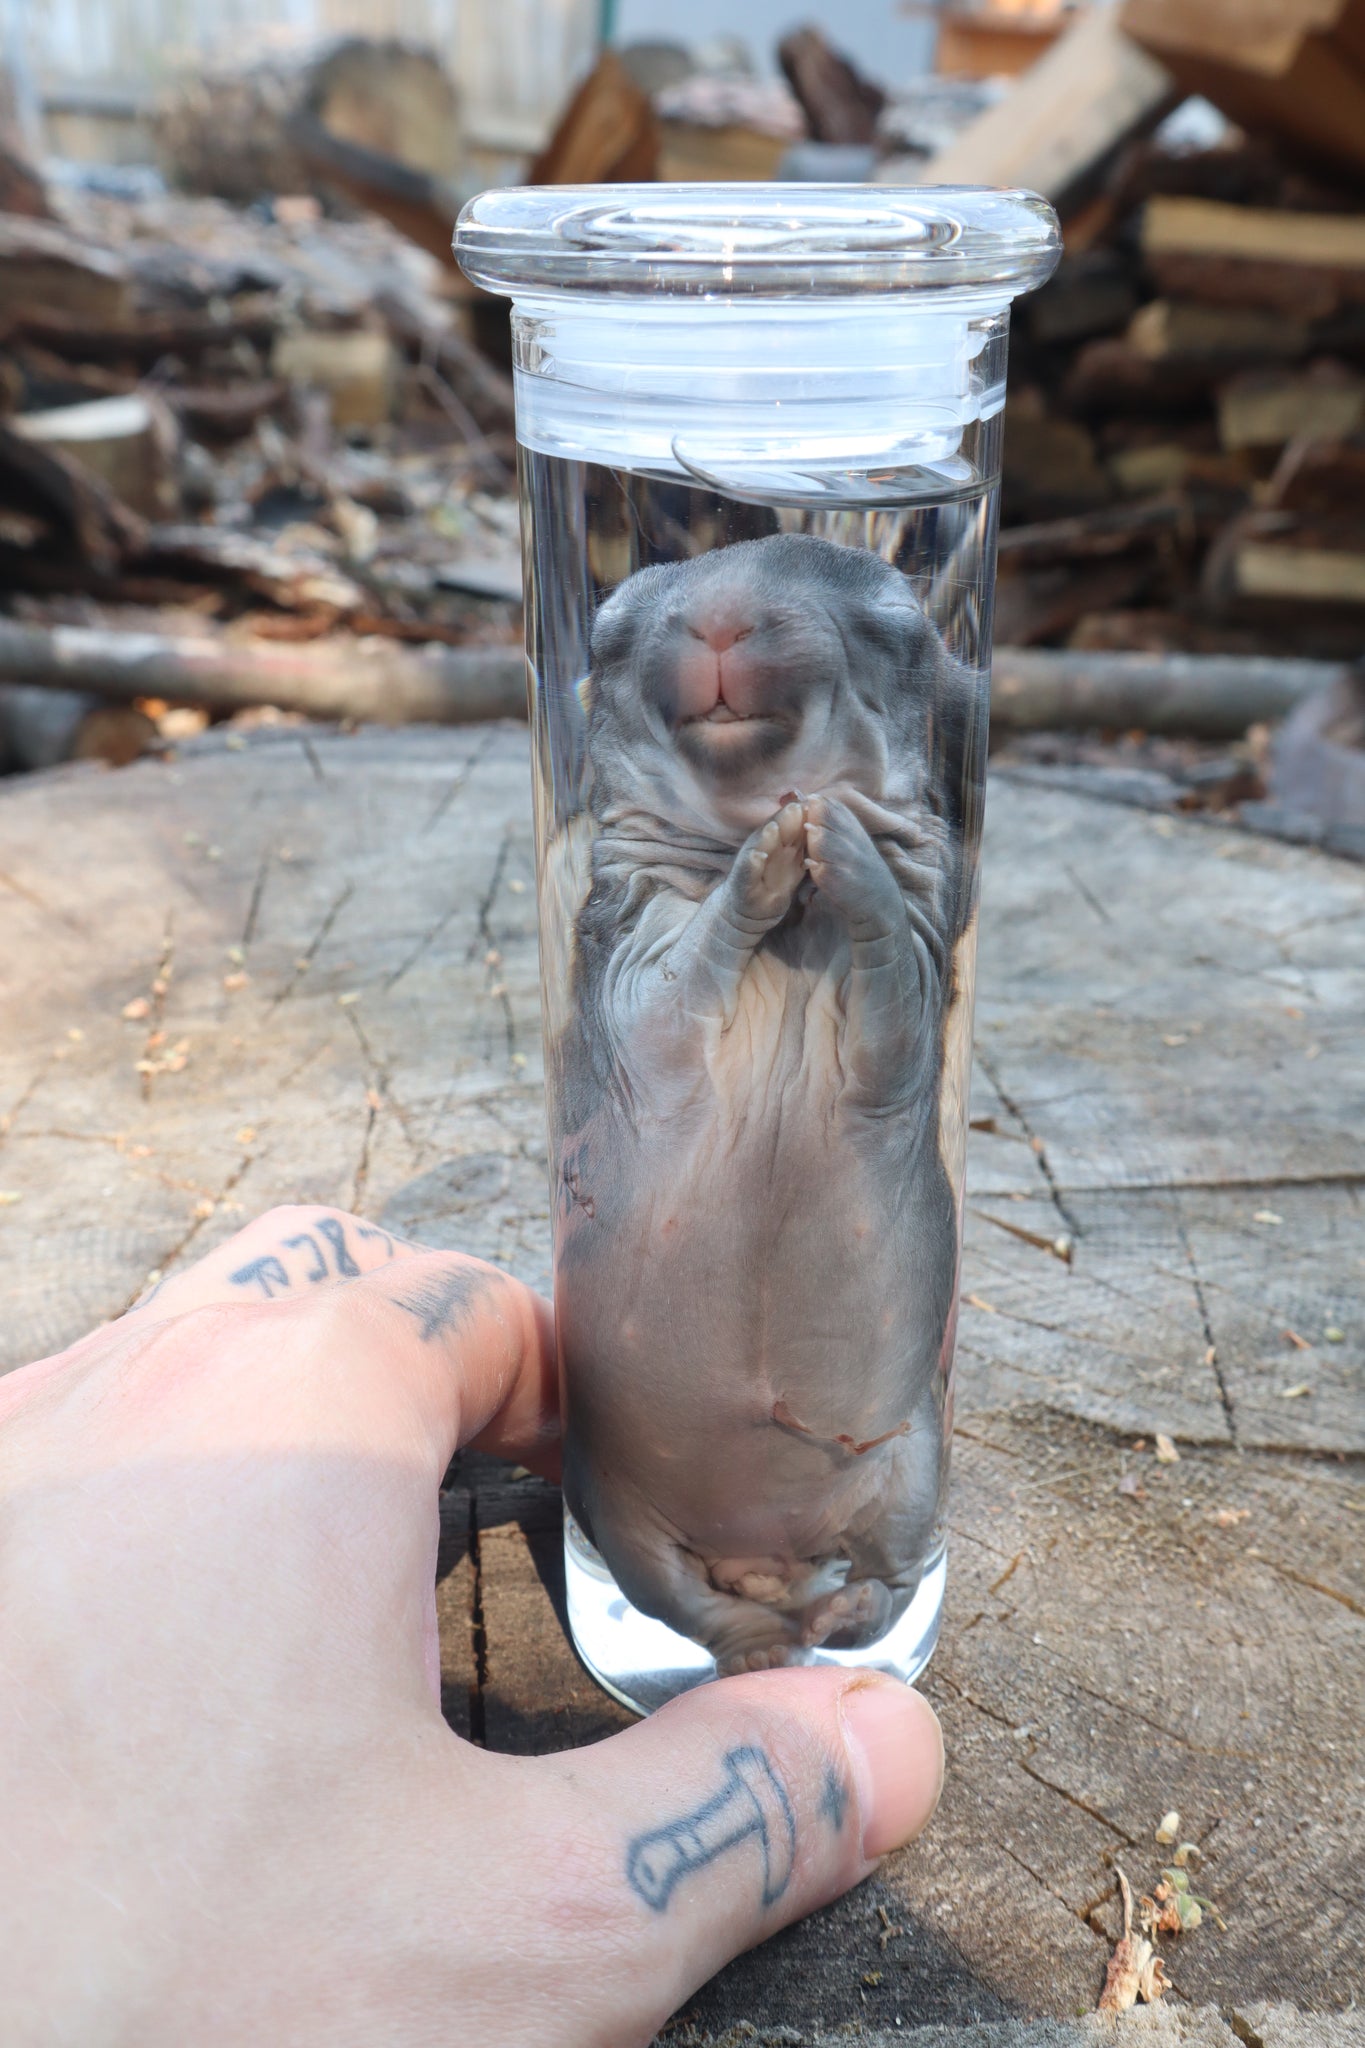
(303, 967)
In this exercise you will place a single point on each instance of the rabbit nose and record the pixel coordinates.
(720, 634)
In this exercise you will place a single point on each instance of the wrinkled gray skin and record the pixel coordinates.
(757, 1244)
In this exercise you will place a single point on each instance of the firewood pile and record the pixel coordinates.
(262, 442)
(259, 452)
(1185, 439)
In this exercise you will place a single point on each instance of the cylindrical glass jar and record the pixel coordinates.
(759, 444)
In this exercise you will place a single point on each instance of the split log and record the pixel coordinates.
(1059, 128)
(1113, 376)
(223, 412)
(1050, 468)
(1112, 530)
(1307, 265)
(75, 508)
(607, 134)
(839, 104)
(229, 131)
(21, 188)
(357, 369)
(1199, 696)
(124, 441)
(420, 206)
(44, 269)
(1086, 295)
(1297, 574)
(380, 682)
(1259, 411)
(1183, 331)
(1292, 68)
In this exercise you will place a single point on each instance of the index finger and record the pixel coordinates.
(343, 1303)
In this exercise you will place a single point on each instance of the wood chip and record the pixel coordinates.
(1166, 1452)
(1169, 1830)
(1295, 1393)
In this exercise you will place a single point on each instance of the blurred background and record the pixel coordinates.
(248, 404)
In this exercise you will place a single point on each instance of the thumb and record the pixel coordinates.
(737, 1809)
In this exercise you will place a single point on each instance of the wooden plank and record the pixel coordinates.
(1063, 120)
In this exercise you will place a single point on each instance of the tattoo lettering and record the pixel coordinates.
(268, 1274)
(444, 1304)
(834, 1800)
(335, 1234)
(272, 1275)
(753, 1802)
(318, 1270)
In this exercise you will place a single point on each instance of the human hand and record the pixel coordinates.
(231, 1810)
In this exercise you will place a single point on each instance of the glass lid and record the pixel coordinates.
(764, 241)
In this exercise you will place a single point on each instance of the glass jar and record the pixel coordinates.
(759, 448)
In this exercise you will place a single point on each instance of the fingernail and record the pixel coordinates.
(895, 1752)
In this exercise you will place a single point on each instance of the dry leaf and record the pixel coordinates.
(1133, 1486)
(1166, 1452)
(1135, 1970)
(136, 1010)
(1187, 1853)
(238, 979)
(1334, 1335)
(1169, 1829)
(1295, 1393)
(247, 1135)
(1228, 1518)
(1266, 1216)
(8, 1198)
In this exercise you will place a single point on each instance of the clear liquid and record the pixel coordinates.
(759, 738)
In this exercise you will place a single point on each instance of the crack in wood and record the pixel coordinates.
(1036, 1144)
(1211, 1353)
(1286, 1571)
(254, 903)
(31, 896)
(310, 951)
(22, 1100)
(459, 779)
(1087, 895)
(489, 938)
(1074, 1799)
(1081, 1913)
(381, 1084)
(362, 1166)
(177, 1250)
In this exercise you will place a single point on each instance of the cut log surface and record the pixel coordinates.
(1164, 1233)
